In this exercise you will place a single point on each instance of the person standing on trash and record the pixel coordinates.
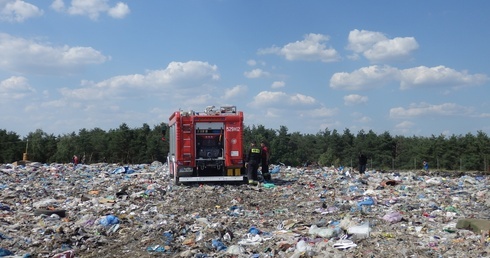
(362, 163)
(426, 166)
(75, 160)
(252, 161)
(265, 161)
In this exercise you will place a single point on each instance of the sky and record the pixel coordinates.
(411, 68)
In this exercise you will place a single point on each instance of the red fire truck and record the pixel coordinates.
(206, 146)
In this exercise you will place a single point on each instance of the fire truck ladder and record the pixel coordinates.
(187, 149)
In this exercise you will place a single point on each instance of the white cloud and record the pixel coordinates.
(235, 91)
(58, 5)
(424, 109)
(404, 125)
(418, 77)
(200, 100)
(23, 56)
(366, 77)
(18, 11)
(176, 80)
(14, 88)
(302, 99)
(273, 113)
(376, 47)
(361, 41)
(81, 55)
(279, 108)
(278, 84)
(323, 112)
(312, 48)
(391, 49)
(267, 98)
(252, 62)
(354, 99)
(357, 116)
(273, 98)
(365, 119)
(255, 73)
(92, 8)
(119, 11)
(59, 103)
(438, 76)
(330, 124)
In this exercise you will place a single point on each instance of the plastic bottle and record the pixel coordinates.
(361, 231)
(302, 246)
(235, 249)
(321, 232)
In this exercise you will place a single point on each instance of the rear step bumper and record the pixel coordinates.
(211, 178)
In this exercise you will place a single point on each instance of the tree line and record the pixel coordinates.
(325, 148)
(122, 145)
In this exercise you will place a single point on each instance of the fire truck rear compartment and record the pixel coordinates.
(206, 147)
(209, 149)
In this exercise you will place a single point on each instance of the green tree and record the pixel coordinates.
(120, 144)
(99, 140)
(11, 147)
(144, 145)
(470, 158)
(384, 151)
(42, 147)
(157, 149)
(348, 153)
(65, 148)
(280, 145)
(483, 150)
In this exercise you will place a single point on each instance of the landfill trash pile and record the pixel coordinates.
(109, 210)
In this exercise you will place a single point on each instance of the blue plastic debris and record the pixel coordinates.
(219, 245)
(109, 220)
(4, 207)
(5, 252)
(254, 230)
(275, 170)
(156, 249)
(368, 201)
(2, 236)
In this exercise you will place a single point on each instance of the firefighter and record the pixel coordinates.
(252, 162)
(362, 163)
(265, 161)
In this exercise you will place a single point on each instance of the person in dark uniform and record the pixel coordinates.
(252, 162)
(362, 163)
(265, 161)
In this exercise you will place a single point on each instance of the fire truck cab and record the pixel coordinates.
(206, 146)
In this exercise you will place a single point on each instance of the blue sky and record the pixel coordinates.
(407, 67)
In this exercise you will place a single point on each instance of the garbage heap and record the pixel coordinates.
(110, 210)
